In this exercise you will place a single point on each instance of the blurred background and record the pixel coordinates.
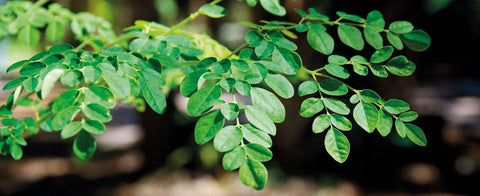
(151, 154)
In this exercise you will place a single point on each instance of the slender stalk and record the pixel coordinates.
(244, 45)
(188, 19)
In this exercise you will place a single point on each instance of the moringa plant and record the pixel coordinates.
(149, 60)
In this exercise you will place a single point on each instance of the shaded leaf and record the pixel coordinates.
(84, 145)
(310, 107)
(208, 126)
(227, 139)
(337, 145)
(260, 119)
(366, 116)
(234, 159)
(254, 174)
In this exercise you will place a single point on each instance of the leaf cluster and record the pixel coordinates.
(143, 65)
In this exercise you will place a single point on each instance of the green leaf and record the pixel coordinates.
(240, 64)
(416, 135)
(84, 145)
(93, 126)
(360, 69)
(168, 61)
(260, 119)
(17, 65)
(14, 83)
(341, 122)
(252, 3)
(384, 123)
(65, 100)
(119, 85)
(265, 49)
(71, 78)
(258, 152)
(243, 87)
(408, 116)
(350, 17)
(382, 55)
(254, 135)
(259, 69)
(351, 36)
(395, 40)
(203, 100)
(55, 30)
(378, 70)
(100, 95)
(396, 106)
(190, 83)
(228, 84)
(337, 71)
(222, 66)
(279, 40)
(71, 129)
(31, 84)
(301, 28)
(32, 68)
(230, 111)
(60, 48)
(416, 40)
(373, 37)
(314, 15)
(254, 38)
(208, 126)
(375, 19)
(333, 87)
(274, 7)
(227, 138)
(336, 105)
(16, 151)
(321, 123)
(254, 174)
(213, 11)
(366, 116)
(49, 81)
(64, 117)
(320, 40)
(98, 112)
(310, 107)
(19, 140)
(151, 77)
(337, 59)
(369, 96)
(92, 74)
(307, 88)
(400, 27)
(269, 103)
(13, 98)
(354, 98)
(154, 97)
(280, 85)
(234, 159)
(401, 128)
(285, 61)
(29, 35)
(337, 145)
(400, 66)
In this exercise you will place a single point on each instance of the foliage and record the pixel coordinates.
(141, 67)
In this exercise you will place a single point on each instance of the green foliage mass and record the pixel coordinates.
(141, 66)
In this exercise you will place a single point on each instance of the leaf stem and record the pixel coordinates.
(188, 19)
(244, 45)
